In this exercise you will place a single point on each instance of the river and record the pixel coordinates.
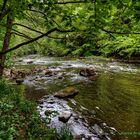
(114, 95)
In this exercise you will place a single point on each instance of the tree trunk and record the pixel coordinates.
(6, 43)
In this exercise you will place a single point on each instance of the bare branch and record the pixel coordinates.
(27, 37)
(3, 14)
(116, 32)
(53, 37)
(72, 2)
(37, 31)
(38, 11)
(22, 35)
(35, 39)
(28, 28)
(4, 5)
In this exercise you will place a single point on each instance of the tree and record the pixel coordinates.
(13, 10)
(94, 21)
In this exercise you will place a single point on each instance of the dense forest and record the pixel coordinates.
(77, 28)
(59, 28)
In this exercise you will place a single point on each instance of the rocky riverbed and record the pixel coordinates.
(59, 115)
(93, 98)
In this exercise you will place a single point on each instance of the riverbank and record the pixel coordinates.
(19, 118)
(104, 97)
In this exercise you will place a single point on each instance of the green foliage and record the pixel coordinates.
(5, 88)
(65, 134)
(126, 46)
(19, 119)
(96, 26)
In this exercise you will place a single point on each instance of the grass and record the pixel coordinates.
(19, 119)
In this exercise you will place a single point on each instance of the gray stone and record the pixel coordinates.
(64, 116)
(98, 131)
(51, 102)
(19, 81)
(94, 138)
(48, 112)
(92, 112)
(30, 62)
(60, 77)
(66, 93)
(87, 72)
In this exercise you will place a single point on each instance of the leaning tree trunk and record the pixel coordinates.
(6, 43)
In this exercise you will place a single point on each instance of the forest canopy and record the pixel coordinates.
(70, 27)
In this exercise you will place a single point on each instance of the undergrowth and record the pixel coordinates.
(19, 119)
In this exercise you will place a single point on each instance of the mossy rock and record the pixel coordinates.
(67, 92)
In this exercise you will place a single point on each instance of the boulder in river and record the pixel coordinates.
(48, 72)
(65, 116)
(61, 115)
(87, 72)
(66, 93)
(30, 62)
(48, 112)
(19, 81)
(99, 131)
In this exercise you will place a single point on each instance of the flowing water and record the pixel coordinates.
(113, 96)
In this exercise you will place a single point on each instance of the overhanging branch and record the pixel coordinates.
(52, 37)
(3, 14)
(71, 2)
(35, 39)
(116, 32)
(18, 24)
(37, 31)
(22, 35)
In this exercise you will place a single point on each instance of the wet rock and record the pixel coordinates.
(37, 70)
(19, 81)
(87, 72)
(52, 67)
(48, 112)
(20, 60)
(63, 113)
(49, 106)
(85, 124)
(40, 101)
(67, 92)
(41, 106)
(73, 102)
(30, 62)
(60, 77)
(112, 130)
(82, 118)
(94, 138)
(76, 118)
(48, 72)
(18, 73)
(92, 112)
(104, 124)
(38, 79)
(64, 116)
(51, 102)
(98, 131)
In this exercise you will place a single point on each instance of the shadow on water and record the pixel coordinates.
(114, 95)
